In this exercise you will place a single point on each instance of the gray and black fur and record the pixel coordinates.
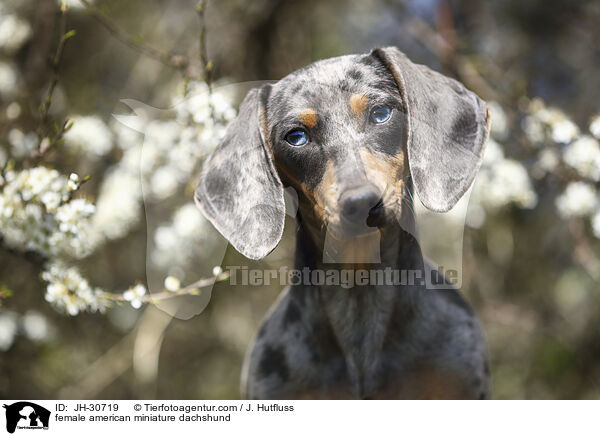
(352, 178)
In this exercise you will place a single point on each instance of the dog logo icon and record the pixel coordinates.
(26, 415)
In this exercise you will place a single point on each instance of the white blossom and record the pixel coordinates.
(217, 270)
(172, 284)
(564, 131)
(595, 127)
(36, 213)
(118, 208)
(125, 136)
(164, 182)
(8, 80)
(596, 224)
(71, 215)
(534, 129)
(22, 145)
(493, 153)
(51, 200)
(475, 215)
(499, 127)
(548, 160)
(89, 134)
(73, 182)
(500, 182)
(584, 156)
(175, 242)
(173, 148)
(69, 292)
(13, 110)
(135, 295)
(38, 210)
(512, 184)
(8, 329)
(578, 199)
(36, 326)
(13, 32)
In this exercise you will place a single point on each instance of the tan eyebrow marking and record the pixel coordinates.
(308, 117)
(358, 103)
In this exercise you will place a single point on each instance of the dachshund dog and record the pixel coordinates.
(354, 136)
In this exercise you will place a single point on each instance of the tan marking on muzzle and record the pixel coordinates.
(312, 198)
(308, 117)
(388, 173)
(384, 168)
(326, 193)
(358, 103)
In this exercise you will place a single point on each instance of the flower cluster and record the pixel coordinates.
(544, 123)
(570, 154)
(578, 199)
(70, 292)
(501, 181)
(176, 240)
(118, 208)
(562, 151)
(38, 211)
(38, 214)
(583, 155)
(173, 148)
(135, 295)
(168, 147)
(90, 135)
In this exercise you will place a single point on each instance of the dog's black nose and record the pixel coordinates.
(356, 203)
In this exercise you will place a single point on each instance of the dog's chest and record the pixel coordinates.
(359, 320)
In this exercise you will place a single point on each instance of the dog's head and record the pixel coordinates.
(347, 133)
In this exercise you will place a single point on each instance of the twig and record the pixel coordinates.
(45, 107)
(437, 44)
(192, 289)
(177, 61)
(206, 64)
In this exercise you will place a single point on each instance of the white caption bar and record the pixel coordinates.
(22, 417)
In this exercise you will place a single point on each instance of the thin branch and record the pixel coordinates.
(177, 61)
(206, 64)
(45, 107)
(437, 44)
(192, 289)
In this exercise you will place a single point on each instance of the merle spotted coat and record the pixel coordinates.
(353, 136)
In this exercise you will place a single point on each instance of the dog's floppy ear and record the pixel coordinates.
(448, 126)
(240, 191)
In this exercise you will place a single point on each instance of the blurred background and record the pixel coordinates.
(531, 265)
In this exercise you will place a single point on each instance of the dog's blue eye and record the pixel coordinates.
(381, 114)
(297, 137)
